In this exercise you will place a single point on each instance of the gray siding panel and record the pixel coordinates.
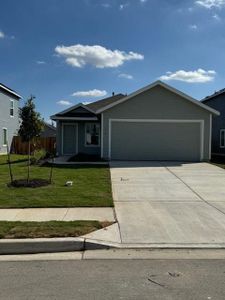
(157, 103)
(218, 123)
(11, 123)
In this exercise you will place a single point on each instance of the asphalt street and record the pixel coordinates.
(113, 279)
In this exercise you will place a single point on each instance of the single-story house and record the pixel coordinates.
(157, 122)
(217, 101)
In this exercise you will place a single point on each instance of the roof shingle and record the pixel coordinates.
(95, 106)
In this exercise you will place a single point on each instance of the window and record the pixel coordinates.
(11, 108)
(222, 138)
(4, 137)
(92, 134)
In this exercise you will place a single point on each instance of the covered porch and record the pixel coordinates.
(78, 132)
(78, 137)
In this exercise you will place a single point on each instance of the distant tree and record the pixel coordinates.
(31, 126)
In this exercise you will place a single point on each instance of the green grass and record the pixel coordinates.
(9, 230)
(91, 186)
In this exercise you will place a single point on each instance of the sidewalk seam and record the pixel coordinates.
(65, 214)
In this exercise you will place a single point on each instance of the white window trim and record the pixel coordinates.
(62, 146)
(13, 108)
(4, 128)
(201, 126)
(222, 130)
(85, 128)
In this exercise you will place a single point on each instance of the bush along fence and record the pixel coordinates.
(46, 143)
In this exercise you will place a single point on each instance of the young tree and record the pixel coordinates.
(31, 126)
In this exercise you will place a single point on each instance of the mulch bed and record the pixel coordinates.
(33, 183)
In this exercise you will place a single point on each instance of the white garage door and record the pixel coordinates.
(176, 140)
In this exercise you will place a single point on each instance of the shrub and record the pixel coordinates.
(38, 155)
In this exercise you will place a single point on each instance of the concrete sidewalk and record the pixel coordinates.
(58, 214)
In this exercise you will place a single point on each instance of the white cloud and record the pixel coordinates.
(64, 102)
(41, 62)
(92, 93)
(143, 1)
(216, 17)
(124, 75)
(123, 5)
(86, 102)
(100, 57)
(197, 76)
(50, 122)
(2, 35)
(211, 3)
(193, 27)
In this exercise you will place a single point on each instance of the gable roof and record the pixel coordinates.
(91, 107)
(97, 105)
(218, 93)
(164, 85)
(75, 112)
(74, 107)
(10, 91)
(100, 106)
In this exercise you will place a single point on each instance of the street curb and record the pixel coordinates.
(51, 245)
(56, 245)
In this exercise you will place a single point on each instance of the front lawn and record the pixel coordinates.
(91, 186)
(9, 230)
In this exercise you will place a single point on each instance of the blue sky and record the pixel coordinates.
(71, 51)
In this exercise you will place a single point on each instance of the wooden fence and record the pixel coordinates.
(47, 143)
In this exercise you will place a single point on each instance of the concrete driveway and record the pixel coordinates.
(169, 203)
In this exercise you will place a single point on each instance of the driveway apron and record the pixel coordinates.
(169, 202)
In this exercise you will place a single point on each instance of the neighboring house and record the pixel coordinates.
(9, 116)
(48, 131)
(217, 101)
(156, 122)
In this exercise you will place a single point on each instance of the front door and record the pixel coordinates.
(69, 139)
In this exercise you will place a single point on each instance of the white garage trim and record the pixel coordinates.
(210, 136)
(201, 123)
(65, 124)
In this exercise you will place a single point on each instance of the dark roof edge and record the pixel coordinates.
(10, 91)
(218, 93)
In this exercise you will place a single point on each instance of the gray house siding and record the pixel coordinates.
(157, 104)
(218, 123)
(81, 148)
(6, 121)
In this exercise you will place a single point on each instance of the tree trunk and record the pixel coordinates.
(28, 170)
(9, 163)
